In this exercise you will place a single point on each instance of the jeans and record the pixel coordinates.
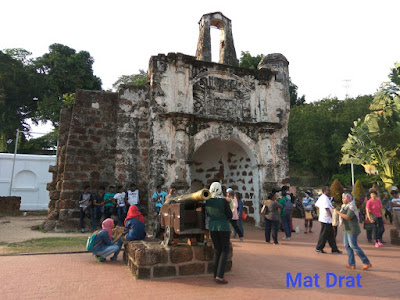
(221, 250)
(108, 211)
(82, 215)
(240, 224)
(326, 234)
(379, 229)
(286, 226)
(115, 248)
(97, 213)
(350, 243)
(236, 228)
(271, 225)
(121, 212)
(369, 234)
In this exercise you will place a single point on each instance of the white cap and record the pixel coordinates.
(394, 188)
(228, 190)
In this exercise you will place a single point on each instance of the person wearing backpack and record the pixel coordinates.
(286, 214)
(271, 214)
(104, 244)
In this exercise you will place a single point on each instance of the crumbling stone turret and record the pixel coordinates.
(227, 53)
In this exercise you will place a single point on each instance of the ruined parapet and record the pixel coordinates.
(227, 53)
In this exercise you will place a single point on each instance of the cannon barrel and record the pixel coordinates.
(203, 194)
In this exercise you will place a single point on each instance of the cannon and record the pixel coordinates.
(182, 217)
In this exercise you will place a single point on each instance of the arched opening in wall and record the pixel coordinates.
(215, 34)
(25, 179)
(228, 162)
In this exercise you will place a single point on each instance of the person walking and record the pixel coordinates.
(235, 216)
(219, 212)
(271, 214)
(308, 204)
(374, 215)
(349, 217)
(286, 214)
(325, 218)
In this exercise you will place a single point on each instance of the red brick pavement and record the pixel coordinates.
(259, 272)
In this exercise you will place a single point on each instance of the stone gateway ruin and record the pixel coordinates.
(192, 123)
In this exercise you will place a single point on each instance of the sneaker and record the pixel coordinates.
(366, 267)
(320, 251)
(380, 243)
(276, 244)
(310, 231)
(377, 245)
(350, 267)
(286, 238)
(268, 242)
(100, 259)
(337, 252)
(305, 231)
(241, 239)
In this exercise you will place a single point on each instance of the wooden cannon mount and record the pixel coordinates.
(182, 217)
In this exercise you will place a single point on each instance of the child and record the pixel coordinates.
(85, 200)
(159, 198)
(109, 202)
(120, 202)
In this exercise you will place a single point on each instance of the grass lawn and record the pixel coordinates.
(46, 245)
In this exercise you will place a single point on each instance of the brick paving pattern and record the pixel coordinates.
(259, 272)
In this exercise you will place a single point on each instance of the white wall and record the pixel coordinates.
(31, 175)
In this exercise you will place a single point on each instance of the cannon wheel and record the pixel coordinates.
(168, 235)
(157, 230)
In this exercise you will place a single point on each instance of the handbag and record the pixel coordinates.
(244, 216)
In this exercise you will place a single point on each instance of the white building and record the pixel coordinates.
(31, 175)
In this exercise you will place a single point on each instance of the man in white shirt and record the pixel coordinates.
(133, 196)
(325, 218)
(120, 201)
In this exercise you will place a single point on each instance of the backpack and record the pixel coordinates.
(288, 209)
(90, 245)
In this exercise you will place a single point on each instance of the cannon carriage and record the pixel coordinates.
(182, 217)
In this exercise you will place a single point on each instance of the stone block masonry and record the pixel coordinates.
(150, 260)
(192, 123)
(10, 205)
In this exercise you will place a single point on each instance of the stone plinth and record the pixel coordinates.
(394, 237)
(149, 259)
(10, 205)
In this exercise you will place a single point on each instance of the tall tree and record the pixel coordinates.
(63, 71)
(374, 139)
(18, 87)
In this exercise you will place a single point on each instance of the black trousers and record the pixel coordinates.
(326, 234)
(271, 226)
(237, 228)
(221, 249)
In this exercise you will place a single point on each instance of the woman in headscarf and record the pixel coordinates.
(134, 224)
(219, 212)
(104, 245)
(351, 229)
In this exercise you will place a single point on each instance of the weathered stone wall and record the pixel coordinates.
(87, 151)
(149, 260)
(10, 205)
(194, 122)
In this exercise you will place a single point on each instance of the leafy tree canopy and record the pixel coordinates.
(374, 139)
(134, 79)
(63, 71)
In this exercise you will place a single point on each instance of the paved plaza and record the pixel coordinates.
(259, 272)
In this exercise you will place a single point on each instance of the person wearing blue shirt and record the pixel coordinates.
(159, 198)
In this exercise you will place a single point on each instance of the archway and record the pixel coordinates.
(228, 162)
